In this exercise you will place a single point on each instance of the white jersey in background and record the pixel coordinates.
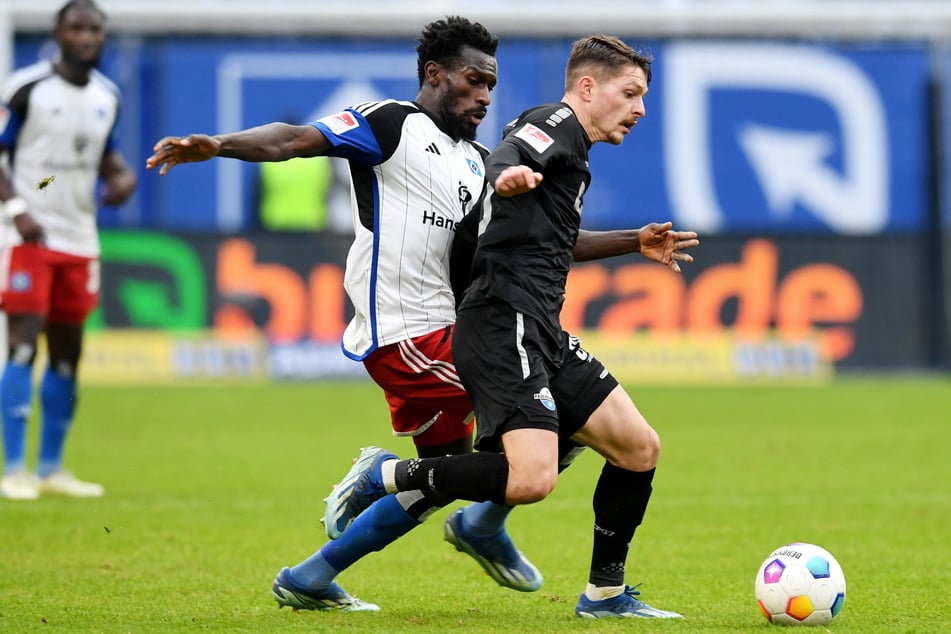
(57, 133)
(411, 184)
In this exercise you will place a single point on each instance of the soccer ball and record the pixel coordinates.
(800, 584)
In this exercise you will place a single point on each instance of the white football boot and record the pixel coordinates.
(19, 484)
(62, 482)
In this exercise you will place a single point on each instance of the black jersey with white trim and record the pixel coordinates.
(525, 243)
(411, 184)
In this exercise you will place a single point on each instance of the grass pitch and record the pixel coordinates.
(212, 489)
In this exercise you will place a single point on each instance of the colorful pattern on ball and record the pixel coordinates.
(800, 584)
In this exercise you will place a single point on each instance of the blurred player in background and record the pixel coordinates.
(532, 385)
(57, 121)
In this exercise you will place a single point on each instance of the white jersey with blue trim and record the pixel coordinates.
(411, 184)
(57, 133)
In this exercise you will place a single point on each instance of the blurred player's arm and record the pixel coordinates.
(118, 179)
(16, 208)
(655, 241)
(267, 143)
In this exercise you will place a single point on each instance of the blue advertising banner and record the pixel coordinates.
(740, 137)
(776, 138)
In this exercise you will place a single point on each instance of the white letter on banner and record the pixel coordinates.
(788, 163)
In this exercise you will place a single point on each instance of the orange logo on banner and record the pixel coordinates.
(296, 312)
(815, 297)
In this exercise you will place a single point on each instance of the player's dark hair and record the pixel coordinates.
(604, 54)
(442, 41)
(78, 4)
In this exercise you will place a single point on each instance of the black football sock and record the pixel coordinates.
(620, 500)
(478, 477)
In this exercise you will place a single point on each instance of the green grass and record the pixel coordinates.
(211, 489)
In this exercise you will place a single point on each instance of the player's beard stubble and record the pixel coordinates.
(457, 124)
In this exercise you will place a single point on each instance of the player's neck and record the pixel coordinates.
(581, 114)
(72, 73)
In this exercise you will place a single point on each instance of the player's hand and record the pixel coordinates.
(660, 243)
(516, 180)
(173, 150)
(29, 229)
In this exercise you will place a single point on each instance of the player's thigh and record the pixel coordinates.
(27, 278)
(505, 372)
(426, 399)
(75, 288)
(579, 387)
(619, 432)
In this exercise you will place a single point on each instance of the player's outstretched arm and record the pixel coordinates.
(655, 241)
(267, 143)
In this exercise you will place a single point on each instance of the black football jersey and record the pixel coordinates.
(525, 242)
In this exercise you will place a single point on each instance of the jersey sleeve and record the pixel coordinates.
(367, 133)
(351, 136)
(12, 115)
(112, 141)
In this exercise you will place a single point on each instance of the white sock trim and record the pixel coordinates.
(596, 593)
(388, 473)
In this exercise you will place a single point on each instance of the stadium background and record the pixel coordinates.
(805, 141)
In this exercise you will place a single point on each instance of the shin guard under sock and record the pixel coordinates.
(16, 395)
(58, 400)
(478, 477)
(620, 500)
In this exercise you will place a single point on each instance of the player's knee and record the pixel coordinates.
(530, 490)
(642, 454)
(22, 353)
(66, 368)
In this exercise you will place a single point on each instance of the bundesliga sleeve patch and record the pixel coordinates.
(340, 122)
(535, 137)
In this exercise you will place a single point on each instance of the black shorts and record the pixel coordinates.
(518, 380)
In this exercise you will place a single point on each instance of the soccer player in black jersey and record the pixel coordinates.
(411, 163)
(533, 387)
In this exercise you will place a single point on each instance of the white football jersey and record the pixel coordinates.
(411, 185)
(56, 134)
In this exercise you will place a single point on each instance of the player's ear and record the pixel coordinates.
(433, 73)
(586, 87)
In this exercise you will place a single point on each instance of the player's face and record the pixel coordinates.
(466, 96)
(81, 36)
(619, 104)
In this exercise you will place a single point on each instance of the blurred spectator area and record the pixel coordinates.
(641, 18)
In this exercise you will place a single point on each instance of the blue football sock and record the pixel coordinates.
(375, 528)
(16, 397)
(58, 400)
(314, 572)
(483, 519)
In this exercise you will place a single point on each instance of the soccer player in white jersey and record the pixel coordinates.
(416, 172)
(56, 124)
